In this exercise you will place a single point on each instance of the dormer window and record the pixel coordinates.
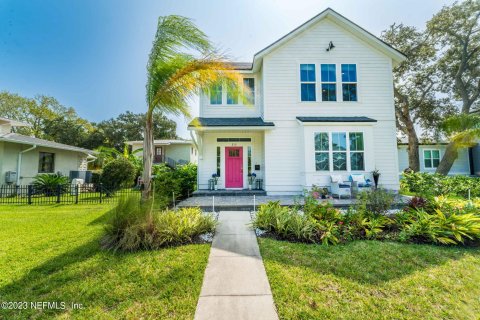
(307, 82)
(349, 82)
(329, 82)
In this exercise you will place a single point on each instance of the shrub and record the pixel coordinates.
(438, 227)
(118, 173)
(359, 223)
(134, 226)
(322, 210)
(430, 185)
(377, 201)
(182, 181)
(284, 222)
(49, 184)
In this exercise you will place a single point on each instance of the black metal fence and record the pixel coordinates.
(66, 194)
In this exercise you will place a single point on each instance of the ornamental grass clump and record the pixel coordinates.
(135, 226)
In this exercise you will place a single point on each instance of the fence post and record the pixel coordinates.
(29, 193)
(59, 190)
(76, 193)
(101, 189)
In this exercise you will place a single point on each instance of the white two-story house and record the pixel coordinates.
(321, 104)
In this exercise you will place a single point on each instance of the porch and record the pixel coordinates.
(217, 202)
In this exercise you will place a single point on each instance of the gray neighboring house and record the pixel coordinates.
(467, 163)
(23, 157)
(169, 151)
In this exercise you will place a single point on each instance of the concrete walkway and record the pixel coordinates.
(235, 285)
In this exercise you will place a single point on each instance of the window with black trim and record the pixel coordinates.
(46, 162)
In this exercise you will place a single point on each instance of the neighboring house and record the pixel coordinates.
(23, 157)
(321, 104)
(171, 151)
(431, 155)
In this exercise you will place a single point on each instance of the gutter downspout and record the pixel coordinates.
(19, 162)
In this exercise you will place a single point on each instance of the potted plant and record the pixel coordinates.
(376, 176)
(251, 179)
(215, 181)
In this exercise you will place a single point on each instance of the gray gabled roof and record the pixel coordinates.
(240, 65)
(229, 122)
(21, 139)
(335, 119)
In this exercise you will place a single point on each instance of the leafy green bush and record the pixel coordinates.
(182, 181)
(285, 223)
(430, 185)
(438, 227)
(118, 173)
(49, 184)
(359, 223)
(135, 226)
(376, 201)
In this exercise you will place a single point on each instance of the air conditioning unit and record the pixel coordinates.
(10, 177)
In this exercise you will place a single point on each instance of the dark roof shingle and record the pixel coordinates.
(336, 119)
(229, 122)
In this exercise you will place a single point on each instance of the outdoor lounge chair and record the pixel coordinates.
(359, 182)
(340, 188)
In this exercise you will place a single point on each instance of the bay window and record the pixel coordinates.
(335, 152)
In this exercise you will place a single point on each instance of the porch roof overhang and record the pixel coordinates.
(326, 120)
(211, 124)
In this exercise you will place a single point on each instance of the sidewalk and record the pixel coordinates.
(235, 285)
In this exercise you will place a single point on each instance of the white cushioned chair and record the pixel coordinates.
(339, 187)
(358, 180)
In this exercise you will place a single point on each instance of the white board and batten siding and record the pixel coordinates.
(294, 146)
(460, 166)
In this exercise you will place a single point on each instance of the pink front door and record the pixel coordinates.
(233, 167)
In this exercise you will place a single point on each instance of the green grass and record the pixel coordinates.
(52, 253)
(373, 280)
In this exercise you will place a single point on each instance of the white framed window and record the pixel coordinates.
(328, 77)
(349, 82)
(339, 151)
(431, 158)
(216, 93)
(249, 85)
(307, 82)
(232, 94)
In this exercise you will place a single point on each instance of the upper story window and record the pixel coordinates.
(249, 84)
(307, 82)
(232, 94)
(216, 94)
(431, 158)
(329, 82)
(349, 82)
(46, 162)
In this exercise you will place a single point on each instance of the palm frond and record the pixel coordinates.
(463, 129)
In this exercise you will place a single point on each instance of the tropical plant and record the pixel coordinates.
(438, 226)
(50, 184)
(135, 226)
(174, 76)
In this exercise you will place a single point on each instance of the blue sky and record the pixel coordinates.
(91, 55)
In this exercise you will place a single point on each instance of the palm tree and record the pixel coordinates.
(463, 131)
(174, 76)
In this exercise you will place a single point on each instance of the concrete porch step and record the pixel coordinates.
(234, 193)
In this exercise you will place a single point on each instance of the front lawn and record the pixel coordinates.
(52, 254)
(372, 280)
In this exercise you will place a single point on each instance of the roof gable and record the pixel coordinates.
(344, 23)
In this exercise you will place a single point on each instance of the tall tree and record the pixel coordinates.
(129, 126)
(456, 28)
(415, 82)
(174, 76)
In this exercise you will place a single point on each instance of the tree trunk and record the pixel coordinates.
(451, 154)
(148, 156)
(413, 155)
